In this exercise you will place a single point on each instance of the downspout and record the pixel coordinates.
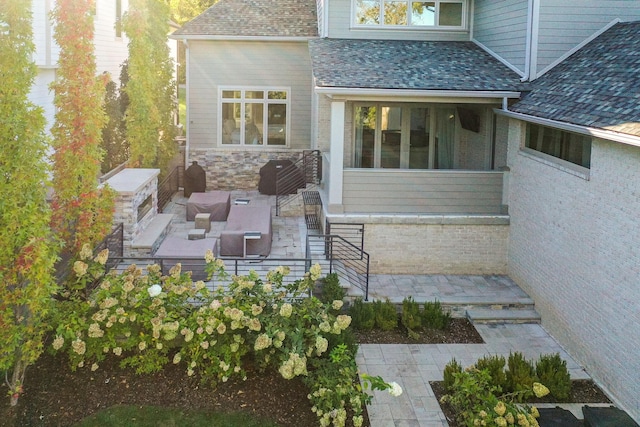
(185, 43)
(325, 24)
(529, 36)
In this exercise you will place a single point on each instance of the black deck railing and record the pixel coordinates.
(235, 266)
(170, 186)
(348, 261)
(309, 167)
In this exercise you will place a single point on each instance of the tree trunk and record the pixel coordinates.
(17, 379)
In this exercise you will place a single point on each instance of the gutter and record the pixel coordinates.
(241, 38)
(609, 135)
(351, 93)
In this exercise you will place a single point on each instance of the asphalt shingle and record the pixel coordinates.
(255, 18)
(421, 65)
(598, 86)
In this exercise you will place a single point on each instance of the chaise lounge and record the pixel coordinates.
(189, 253)
(250, 226)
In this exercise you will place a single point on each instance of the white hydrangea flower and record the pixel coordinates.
(154, 290)
(395, 389)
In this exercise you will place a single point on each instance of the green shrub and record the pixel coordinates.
(386, 315)
(552, 372)
(476, 401)
(520, 374)
(434, 317)
(495, 366)
(331, 289)
(451, 368)
(411, 318)
(362, 315)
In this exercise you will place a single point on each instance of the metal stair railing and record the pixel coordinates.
(348, 261)
(288, 179)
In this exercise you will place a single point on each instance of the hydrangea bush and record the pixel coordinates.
(477, 402)
(150, 320)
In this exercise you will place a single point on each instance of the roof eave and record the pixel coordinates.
(414, 95)
(609, 135)
(242, 38)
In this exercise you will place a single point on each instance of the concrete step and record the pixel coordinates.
(486, 316)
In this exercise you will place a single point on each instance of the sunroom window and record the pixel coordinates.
(409, 13)
(404, 137)
(254, 116)
(567, 146)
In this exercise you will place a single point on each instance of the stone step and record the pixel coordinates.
(503, 316)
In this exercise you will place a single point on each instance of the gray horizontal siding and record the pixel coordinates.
(566, 24)
(340, 28)
(422, 192)
(502, 26)
(243, 64)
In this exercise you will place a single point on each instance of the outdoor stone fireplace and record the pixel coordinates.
(136, 203)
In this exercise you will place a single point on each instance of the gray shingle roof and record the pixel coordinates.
(255, 18)
(598, 86)
(422, 65)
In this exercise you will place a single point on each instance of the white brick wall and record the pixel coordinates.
(421, 247)
(573, 247)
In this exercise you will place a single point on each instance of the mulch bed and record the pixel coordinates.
(56, 396)
(460, 331)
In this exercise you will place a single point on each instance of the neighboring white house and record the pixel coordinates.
(110, 47)
(468, 136)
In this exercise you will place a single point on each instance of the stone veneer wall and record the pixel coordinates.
(133, 186)
(573, 248)
(237, 170)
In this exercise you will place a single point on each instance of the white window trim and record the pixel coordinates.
(265, 112)
(463, 26)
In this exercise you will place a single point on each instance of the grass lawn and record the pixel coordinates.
(143, 416)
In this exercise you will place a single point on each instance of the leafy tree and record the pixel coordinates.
(82, 212)
(26, 252)
(114, 142)
(185, 10)
(151, 90)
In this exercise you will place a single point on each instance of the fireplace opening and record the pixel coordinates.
(145, 207)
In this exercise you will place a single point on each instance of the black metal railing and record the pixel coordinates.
(114, 241)
(170, 186)
(351, 232)
(348, 261)
(288, 180)
(235, 266)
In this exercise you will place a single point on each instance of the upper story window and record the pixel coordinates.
(409, 13)
(254, 116)
(118, 23)
(567, 146)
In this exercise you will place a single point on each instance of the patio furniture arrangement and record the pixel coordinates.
(216, 203)
(248, 232)
(175, 249)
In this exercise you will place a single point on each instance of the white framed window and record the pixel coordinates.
(400, 136)
(254, 116)
(443, 14)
